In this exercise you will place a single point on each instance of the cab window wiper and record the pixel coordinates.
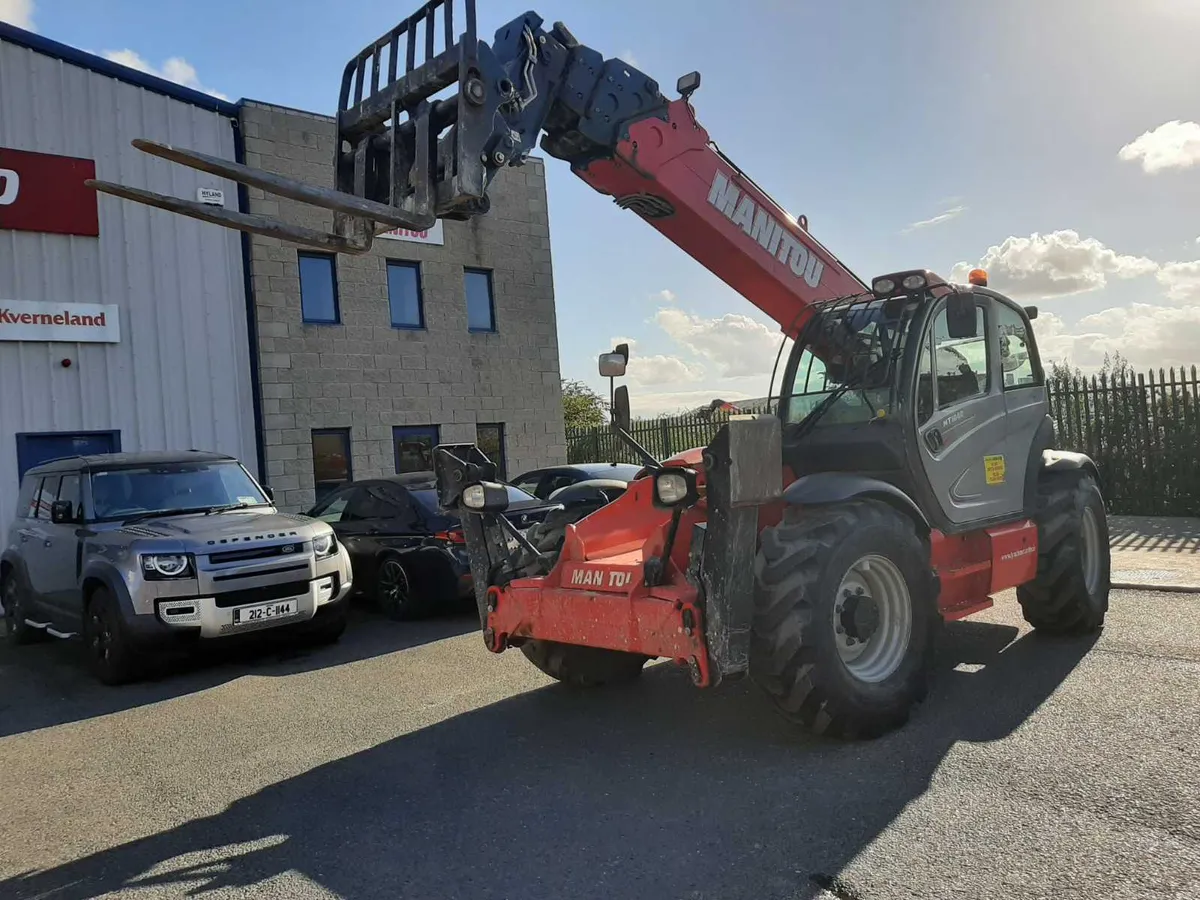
(227, 507)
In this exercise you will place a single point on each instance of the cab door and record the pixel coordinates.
(962, 428)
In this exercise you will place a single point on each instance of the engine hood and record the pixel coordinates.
(230, 527)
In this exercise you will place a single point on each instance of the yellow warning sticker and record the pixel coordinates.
(993, 469)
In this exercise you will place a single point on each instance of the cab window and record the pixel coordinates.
(960, 364)
(1017, 356)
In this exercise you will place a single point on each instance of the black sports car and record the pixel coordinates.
(408, 554)
(542, 483)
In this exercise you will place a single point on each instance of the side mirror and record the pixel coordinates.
(62, 512)
(1031, 311)
(961, 316)
(612, 365)
(269, 492)
(621, 408)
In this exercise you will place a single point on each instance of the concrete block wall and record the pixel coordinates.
(367, 376)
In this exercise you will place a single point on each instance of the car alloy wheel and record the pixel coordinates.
(392, 587)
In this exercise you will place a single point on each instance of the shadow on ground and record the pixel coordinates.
(31, 674)
(1164, 534)
(656, 790)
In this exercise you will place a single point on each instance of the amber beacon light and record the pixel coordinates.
(978, 277)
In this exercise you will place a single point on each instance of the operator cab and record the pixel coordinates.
(934, 388)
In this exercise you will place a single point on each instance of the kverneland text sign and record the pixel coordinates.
(97, 323)
(46, 193)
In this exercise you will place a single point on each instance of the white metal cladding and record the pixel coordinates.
(180, 376)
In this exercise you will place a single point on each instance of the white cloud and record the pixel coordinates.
(628, 56)
(1182, 281)
(175, 69)
(1146, 335)
(18, 12)
(1173, 145)
(1053, 265)
(736, 344)
(952, 213)
(669, 296)
(662, 370)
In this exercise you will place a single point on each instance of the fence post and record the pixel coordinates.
(668, 451)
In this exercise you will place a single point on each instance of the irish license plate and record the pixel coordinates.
(264, 612)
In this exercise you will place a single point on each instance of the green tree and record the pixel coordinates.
(582, 407)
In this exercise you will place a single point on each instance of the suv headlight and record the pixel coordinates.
(324, 545)
(156, 566)
(675, 487)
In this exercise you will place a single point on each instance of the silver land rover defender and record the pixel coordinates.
(133, 550)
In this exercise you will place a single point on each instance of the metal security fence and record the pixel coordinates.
(1143, 430)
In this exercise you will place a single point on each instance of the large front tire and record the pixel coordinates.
(1069, 596)
(572, 664)
(846, 618)
(111, 657)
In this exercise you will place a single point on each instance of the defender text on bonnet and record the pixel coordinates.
(133, 550)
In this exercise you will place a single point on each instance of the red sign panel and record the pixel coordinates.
(42, 192)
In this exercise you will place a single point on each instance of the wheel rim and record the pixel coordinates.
(1090, 551)
(393, 584)
(101, 636)
(10, 607)
(872, 619)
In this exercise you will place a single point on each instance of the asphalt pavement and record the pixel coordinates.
(409, 762)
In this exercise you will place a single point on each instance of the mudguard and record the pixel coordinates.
(822, 488)
(110, 577)
(1069, 460)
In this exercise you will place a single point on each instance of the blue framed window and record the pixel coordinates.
(489, 437)
(332, 467)
(414, 447)
(318, 289)
(35, 448)
(404, 294)
(481, 308)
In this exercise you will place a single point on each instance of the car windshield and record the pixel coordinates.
(142, 490)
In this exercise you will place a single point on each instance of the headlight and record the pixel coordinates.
(672, 487)
(914, 282)
(166, 565)
(324, 545)
(486, 496)
(675, 486)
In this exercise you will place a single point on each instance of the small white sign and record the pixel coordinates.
(432, 236)
(211, 196)
(96, 323)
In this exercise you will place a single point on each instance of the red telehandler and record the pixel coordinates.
(906, 475)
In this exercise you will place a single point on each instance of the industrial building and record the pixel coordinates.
(128, 328)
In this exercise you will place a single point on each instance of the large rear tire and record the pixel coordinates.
(572, 664)
(1069, 596)
(846, 618)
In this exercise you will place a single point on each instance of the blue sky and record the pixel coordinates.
(1004, 123)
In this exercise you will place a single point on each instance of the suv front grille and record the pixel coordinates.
(262, 594)
(255, 553)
